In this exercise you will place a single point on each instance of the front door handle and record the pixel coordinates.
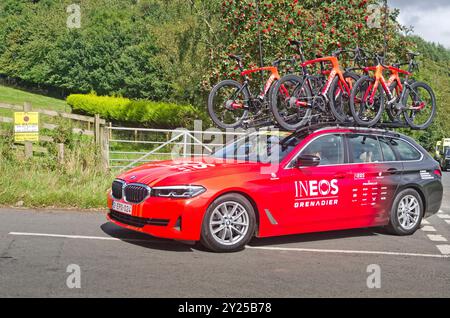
(339, 176)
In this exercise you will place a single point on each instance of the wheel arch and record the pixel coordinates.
(419, 190)
(245, 195)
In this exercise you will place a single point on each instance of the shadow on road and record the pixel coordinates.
(320, 236)
(144, 240)
(152, 242)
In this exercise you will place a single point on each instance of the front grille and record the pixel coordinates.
(135, 193)
(135, 221)
(117, 189)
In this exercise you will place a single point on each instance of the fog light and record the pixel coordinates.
(178, 224)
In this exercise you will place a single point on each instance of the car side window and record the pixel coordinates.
(364, 148)
(329, 148)
(405, 150)
(388, 152)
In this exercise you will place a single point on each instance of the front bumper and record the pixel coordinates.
(179, 219)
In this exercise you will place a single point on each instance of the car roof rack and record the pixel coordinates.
(382, 127)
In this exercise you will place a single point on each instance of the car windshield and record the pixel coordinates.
(260, 147)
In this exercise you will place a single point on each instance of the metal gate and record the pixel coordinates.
(129, 147)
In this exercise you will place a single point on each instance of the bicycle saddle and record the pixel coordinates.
(235, 57)
(413, 53)
(295, 42)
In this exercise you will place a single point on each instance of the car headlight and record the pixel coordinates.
(178, 191)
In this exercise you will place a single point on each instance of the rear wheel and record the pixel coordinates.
(366, 112)
(227, 104)
(406, 213)
(290, 102)
(420, 104)
(229, 224)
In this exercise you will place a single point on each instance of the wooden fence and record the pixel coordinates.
(96, 128)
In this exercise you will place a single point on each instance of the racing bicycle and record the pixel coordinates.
(232, 105)
(307, 97)
(406, 99)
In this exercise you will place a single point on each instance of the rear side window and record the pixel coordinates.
(405, 150)
(364, 149)
(329, 148)
(388, 153)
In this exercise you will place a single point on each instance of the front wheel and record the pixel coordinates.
(228, 104)
(366, 104)
(229, 223)
(420, 106)
(291, 100)
(406, 213)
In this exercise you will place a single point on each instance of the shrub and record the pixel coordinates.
(136, 112)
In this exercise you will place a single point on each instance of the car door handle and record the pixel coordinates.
(392, 171)
(340, 175)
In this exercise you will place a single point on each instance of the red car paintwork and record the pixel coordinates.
(280, 194)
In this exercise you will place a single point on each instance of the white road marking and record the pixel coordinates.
(104, 238)
(448, 221)
(440, 211)
(313, 250)
(436, 238)
(444, 216)
(428, 228)
(444, 249)
(446, 253)
(425, 222)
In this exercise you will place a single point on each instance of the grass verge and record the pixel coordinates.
(78, 182)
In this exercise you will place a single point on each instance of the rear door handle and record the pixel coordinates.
(392, 170)
(340, 175)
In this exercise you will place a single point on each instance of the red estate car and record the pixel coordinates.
(327, 179)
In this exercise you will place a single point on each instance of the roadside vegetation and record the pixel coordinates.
(80, 181)
(137, 113)
(151, 63)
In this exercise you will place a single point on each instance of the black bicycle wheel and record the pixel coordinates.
(340, 99)
(366, 113)
(227, 104)
(420, 106)
(290, 100)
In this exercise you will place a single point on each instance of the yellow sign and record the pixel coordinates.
(26, 126)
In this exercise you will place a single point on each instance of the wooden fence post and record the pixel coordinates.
(60, 148)
(97, 129)
(28, 144)
(104, 136)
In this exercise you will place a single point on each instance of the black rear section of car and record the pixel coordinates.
(412, 167)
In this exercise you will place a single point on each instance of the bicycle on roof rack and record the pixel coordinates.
(407, 102)
(231, 104)
(313, 96)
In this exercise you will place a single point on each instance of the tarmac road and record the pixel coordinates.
(36, 248)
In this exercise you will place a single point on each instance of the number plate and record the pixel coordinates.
(122, 207)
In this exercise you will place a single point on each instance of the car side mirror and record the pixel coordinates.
(307, 161)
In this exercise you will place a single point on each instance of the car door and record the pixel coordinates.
(315, 198)
(392, 172)
(374, 177)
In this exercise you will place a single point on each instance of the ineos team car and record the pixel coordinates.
(326, 179)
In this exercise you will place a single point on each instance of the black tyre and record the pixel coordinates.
(406, 213)
(364, 112)
(340, 99)
(418, 95)
(288, 89)
(394, 115)
(229, 224)
(220, 104)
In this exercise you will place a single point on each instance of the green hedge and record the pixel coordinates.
(136, 112)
